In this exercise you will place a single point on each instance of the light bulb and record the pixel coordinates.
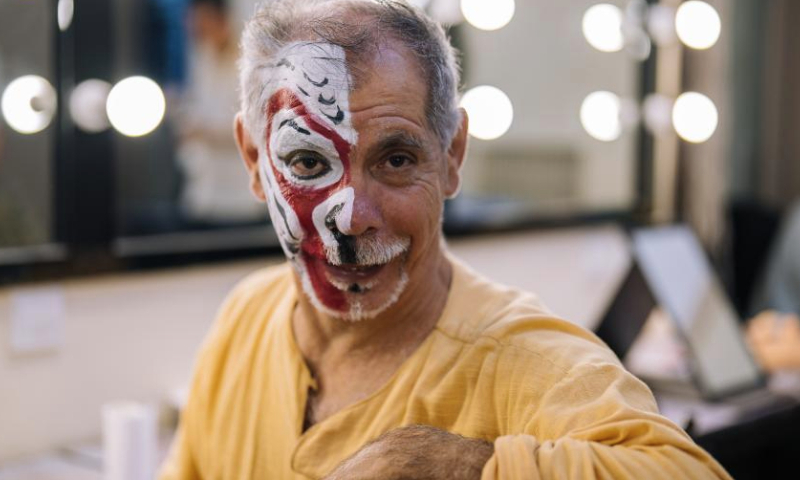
(488, 14)
(65, 11)
(87, 105)
(697, 24)
(29, 104)
(661, 24)
(490, 112)
(694, 117)
(657, 113)
(600, 116)
(602, 27)
(135, 106)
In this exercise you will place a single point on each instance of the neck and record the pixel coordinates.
(394, 333)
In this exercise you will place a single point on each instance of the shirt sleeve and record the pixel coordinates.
(182, 461)
(179, 464)
(599, 422)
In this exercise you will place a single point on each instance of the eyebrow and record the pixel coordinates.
(398, 139)
(291, 122)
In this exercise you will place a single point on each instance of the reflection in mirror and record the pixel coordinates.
(27, 133)
(186, 176)
(178, 181)
(534, 160)
(547, 164)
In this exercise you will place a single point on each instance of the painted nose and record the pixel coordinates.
(333, 222)
(342, 218)
(361, 216)
(338, 211)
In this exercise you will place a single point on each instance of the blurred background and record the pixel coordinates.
(125, 215)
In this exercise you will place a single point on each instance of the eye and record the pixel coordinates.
(307, 165)
(399, 160)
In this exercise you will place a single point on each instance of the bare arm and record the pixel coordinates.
(416, 452)
(775, 340)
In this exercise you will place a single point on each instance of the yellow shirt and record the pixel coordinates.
(498, 366)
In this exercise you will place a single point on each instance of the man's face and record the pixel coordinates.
(354, 181)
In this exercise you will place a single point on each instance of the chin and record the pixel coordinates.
(353, 299)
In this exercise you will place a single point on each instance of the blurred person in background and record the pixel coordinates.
(374, 353)
(207, 153)
(774, 334)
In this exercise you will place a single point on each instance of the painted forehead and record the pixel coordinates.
(307, 115)
(318, 74)
(322, 64)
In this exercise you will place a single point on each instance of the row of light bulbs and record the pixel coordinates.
(693, 115)
(603, 114)
(134, 107)
(610, 29)
(607, 28)
(491, 112)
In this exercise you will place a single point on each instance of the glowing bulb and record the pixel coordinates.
(490, 112)
(697, 24)
(65, 10)
(87, 105)
(661, 24)
(488, 14)
(135, 106)
(657, 113)
(29, 104)
(600, 116)
(694, 117)
(602, 27)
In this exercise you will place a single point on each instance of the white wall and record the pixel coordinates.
(128, 336)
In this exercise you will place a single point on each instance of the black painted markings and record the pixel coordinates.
(316, 84)
(294, 125)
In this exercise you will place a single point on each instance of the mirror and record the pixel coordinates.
(547, 165)
(158, 92)
(28, 123)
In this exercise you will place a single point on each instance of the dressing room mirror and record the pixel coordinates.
(136, 101)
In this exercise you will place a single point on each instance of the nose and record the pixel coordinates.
(358, 215)
(345, 215)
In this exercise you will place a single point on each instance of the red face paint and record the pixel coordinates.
(303, 200)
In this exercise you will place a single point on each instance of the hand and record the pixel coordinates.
(775, 340)
(416, 452)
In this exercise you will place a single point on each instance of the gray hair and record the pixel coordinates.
(357, 26)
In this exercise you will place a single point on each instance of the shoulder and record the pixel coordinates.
(515, 324)
(251, 304)
(260, 286)
(226, 357)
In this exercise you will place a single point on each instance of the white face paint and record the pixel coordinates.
(305, 171)
(292, 138)
(317, 73)
(341, 204)
(317, 77)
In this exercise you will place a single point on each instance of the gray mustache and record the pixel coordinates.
(365, 250)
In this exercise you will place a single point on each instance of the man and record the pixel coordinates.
(211, 192)
(373, 353)
(774, 334)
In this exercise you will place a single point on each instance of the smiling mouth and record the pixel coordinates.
(352, 277)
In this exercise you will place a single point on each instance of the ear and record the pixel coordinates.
(249, 153)
(455, 156)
